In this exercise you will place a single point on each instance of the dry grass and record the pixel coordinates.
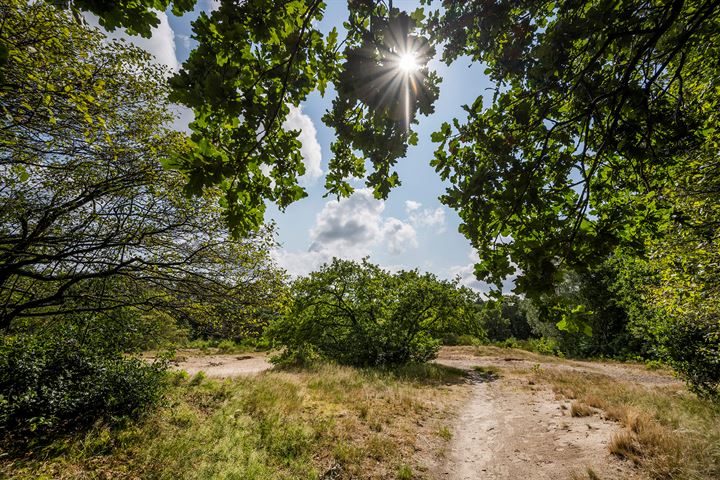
(327, 422)
(579, 409)
(589, 474)
(668, 432)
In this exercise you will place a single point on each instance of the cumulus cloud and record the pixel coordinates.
(311, 152)
(351, 229)
(425, 217)
(429, 218)
(354, 225)
(300, 263)
(398, 235)
(467, 276)
(412, 205)
(161, 44)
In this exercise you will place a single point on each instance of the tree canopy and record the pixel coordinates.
(600, 139)
(90, 220)
(597, 103)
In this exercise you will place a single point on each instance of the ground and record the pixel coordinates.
(476, 413)
(506, 425)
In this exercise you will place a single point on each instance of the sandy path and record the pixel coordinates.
(222, 366)
(504, 433)
(510, 429)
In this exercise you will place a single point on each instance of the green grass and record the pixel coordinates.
(276, 425)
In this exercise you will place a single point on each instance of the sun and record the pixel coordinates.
(407, 63)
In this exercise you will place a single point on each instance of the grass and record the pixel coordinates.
(668, 432)
(214, 347)
(589, 474)
(329, 421)
(580, 409)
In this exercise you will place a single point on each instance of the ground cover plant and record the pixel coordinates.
(667, 431)
(332, 420)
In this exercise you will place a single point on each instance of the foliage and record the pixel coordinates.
(358, 314)
(51, 383)
(138, 16)
(257, 59)
(89, 219)
(506, 317)
(588, 313)
(602, 134)
(596, 103)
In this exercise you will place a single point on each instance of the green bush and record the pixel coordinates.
(453, 339)
(54, 382)
(358, 314)
(693, 350)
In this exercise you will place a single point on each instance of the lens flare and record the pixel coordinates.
(407, 63)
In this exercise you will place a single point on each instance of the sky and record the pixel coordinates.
(411, 229)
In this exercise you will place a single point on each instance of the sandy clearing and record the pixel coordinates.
(510, 429)
(506, 433)
(462, 357)
(222, 365)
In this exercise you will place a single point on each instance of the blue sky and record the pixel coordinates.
(411, 228)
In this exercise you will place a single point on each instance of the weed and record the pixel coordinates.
(197, 379)
(445, 433)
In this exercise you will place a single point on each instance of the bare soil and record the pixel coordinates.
(511, 428)
(221, 365)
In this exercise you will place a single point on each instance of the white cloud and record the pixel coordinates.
(412, 205)
(467, 276)
(300, 263)
(184, 41)
(398, 235)
(161, 44)
(354, 225)
(429, 218)
(311, 152)
(351, 229)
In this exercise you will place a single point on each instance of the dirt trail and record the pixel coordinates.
(222, 365)
(510, 429)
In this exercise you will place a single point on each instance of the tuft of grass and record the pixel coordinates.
(668, 432)
(580, 409)
(445, 433)
(588, 475)
(404, 473)
(198, 378)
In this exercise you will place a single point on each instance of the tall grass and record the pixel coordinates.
(339, 421)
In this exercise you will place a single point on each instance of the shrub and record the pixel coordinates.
(358, 314)
(53, 382)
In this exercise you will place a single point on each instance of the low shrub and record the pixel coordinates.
(453, 340)
(358, 314)
(55, 382)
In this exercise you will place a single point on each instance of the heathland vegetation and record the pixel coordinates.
(592, 175)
